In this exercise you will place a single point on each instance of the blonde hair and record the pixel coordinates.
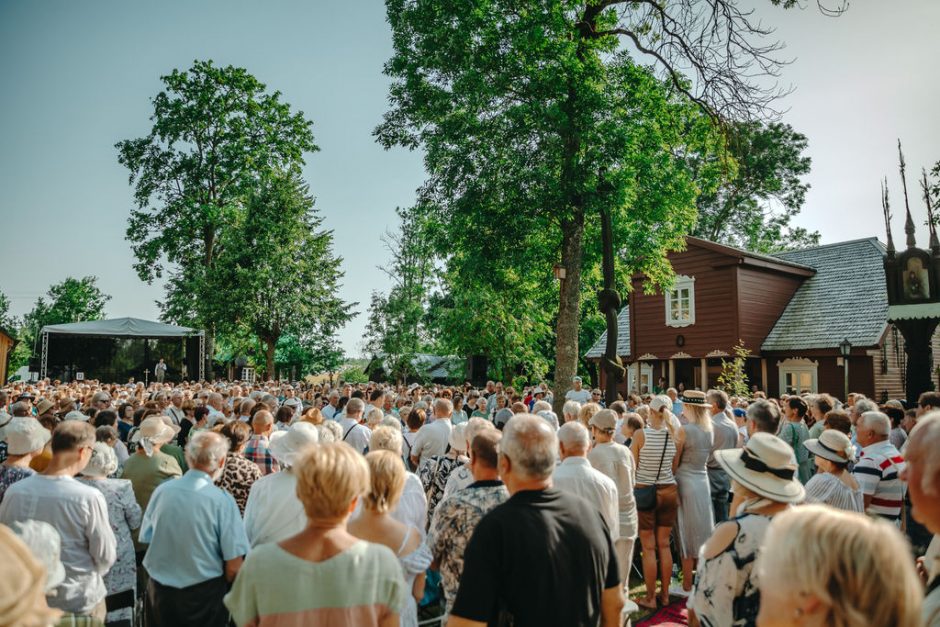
(587, 412)
(386, 438)
(698, 415)
(387, 479)
(832, 554)
(329, 477)
(374, 417)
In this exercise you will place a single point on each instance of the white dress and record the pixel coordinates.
(412, 565)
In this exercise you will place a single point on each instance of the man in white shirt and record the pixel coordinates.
(577, 393)
(78, 512)
(215, 404)
(329, 410)
(355, 434)
(576, 475)
(175, 409)
(433, 438)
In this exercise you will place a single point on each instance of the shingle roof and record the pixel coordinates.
(623, 337)
(846, 298)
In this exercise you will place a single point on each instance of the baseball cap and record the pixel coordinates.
(604, 419)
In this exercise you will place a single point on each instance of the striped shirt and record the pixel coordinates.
(650, 455)
(877, 474)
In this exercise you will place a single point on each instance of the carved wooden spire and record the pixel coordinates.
(925, 187)
(909, 221)
(887, 211)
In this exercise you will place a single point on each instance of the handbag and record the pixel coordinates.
(645, 497)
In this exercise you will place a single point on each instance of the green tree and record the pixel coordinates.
(533, 119)
(216, 132)
(72, 300)
(7, 320)
(753, 208)
(277, 274)
(733, 378)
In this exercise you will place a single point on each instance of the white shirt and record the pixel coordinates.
(460, 478)
(582, 396)
(273, 512)
(432, 439)
(355, 434)
(616, 462)
(329, 412)
(80, 514)
(576, 476)
(175, 413)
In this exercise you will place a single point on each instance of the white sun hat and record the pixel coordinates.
(764, 466)
(287, 446)
(25, 435)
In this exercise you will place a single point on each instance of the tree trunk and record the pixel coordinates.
(208, 372)
(569, 302)
(269, 345)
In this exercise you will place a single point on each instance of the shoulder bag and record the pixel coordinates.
(646, 496)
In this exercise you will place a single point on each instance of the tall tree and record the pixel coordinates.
(72, 300)
(535, 118)
(7, 320)
(216, 132)
(277, 274)
(754, 207)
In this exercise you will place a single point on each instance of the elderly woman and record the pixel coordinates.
(819, 406)
(570, 410)
(273, 511)
(794, 432)
(148, 467)
(238, 473)
(324, 575)
(435, 471)
(764, 479)
(330, 431)
(124, 514)
(834, 485)
(816, 568)
(586, 412)
(375, 524)
(26, 439)
(414, 420)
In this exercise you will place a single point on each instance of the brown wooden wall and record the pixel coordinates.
(830, 375)
(762, 297)
(715, 316)
(891, 383)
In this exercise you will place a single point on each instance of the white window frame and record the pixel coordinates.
(674, 295)
(646, 378)
(798, 367)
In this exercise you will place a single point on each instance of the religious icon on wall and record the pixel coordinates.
(916, 282)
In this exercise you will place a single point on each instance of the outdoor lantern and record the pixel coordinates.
(845, 347)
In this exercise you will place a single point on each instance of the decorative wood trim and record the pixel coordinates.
(647, 357)
(681, 355)
(718, 353)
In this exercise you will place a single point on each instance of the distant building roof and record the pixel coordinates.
(121, 327)
(623, 338)
(846, 298)
(433, 366)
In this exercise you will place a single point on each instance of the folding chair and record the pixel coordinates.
(121, 600)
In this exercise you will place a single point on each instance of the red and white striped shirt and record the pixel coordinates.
(877, 472)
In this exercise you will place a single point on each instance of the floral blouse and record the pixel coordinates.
(434, 472)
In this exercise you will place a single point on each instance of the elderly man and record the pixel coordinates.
(355, 434)
(725, 436)
(577, 393)
(329, 410)
(78, 512)
(258, 447)
(101, 401)
(576, 475)
(542, 557)
(616, 462)
(922, 474)
(190, 572)
(215, 403)
(462, 476)
(879, 466)
(432, 439)
(175, 409)
(458, 515)
(762, 417)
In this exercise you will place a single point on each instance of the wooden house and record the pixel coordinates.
(792, 310)
(7, 342)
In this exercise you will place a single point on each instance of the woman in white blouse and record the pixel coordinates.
(834, 485)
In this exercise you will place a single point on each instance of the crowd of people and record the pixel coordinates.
(298, 503)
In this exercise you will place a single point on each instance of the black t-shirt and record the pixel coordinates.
(543, 557)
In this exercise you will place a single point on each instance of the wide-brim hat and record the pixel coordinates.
(21, 577)
(764, 466)
(43, 406)
(155, 430)
(288, 446)
(832, 445)
(45, 543)
(25, 435)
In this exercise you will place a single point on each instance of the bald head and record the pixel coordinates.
(262, 421)
(530, 445)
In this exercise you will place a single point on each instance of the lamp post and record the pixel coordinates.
(845, 347)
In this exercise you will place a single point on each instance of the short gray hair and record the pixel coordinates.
(206, 449)
(475, 426)
(386, 438)
(330, 431)
(864, 406)
(443, 407)
(355, 406)
(103, 461)
(531, 445)
(571, 408)
(876, 421)
(390, 421)
(541, 406)
(574, 436)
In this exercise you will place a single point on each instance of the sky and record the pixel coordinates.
(78, 77)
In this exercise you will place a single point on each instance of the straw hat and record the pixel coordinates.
(25, 435)
(832, 445)
(764, 466)
(155, 430)
(22, 584)
(287, 446)
(43, 406)
(693, 397)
